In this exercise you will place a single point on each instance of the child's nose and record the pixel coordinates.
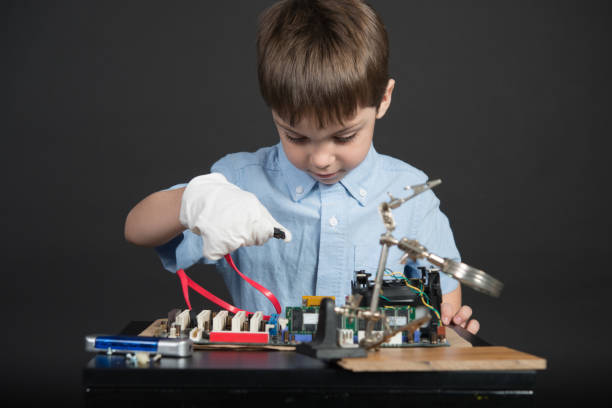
(322, 157)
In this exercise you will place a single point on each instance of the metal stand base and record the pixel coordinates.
(324, 345)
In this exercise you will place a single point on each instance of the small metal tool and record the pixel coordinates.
(279, 233)
(182, 347)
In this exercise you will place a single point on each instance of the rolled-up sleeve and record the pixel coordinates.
(182, 251)
(185, 249)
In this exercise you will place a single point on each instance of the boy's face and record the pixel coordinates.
(329, 153)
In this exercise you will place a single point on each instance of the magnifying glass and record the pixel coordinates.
(466, 274)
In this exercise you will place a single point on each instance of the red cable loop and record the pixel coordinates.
(187, 282)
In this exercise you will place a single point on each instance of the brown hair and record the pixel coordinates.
(323, 59)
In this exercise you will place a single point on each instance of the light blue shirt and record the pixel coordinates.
(336, 228)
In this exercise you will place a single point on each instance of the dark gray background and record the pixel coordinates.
(105, 102)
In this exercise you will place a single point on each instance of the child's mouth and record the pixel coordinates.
(326, 176)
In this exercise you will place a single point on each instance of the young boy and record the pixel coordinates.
(322, 69)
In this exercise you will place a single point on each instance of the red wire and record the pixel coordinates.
(187, 282)
(256, 285)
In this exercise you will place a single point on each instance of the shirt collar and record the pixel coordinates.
(356, 181)
(301, 183)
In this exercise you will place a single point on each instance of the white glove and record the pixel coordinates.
(226, 216)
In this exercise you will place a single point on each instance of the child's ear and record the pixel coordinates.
(386, 100)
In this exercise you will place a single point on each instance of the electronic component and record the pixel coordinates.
(196, 334)
(238, 321)
(175, 331)
(183, 320)
(282, 324)
(308, 301)
(172, 316)
(255, 322)
(441, 333)
(301, 337)
(346, 338)
(203, 320)
(239, 337)
(416, 338)
(396, 340)
(219, 321)
(271, 325)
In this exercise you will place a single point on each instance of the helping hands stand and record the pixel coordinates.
(325, 344)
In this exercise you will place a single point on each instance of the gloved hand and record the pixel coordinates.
(226, 216)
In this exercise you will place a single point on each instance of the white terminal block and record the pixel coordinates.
(203, 320)
(195, 334)
(182, 320)
(282, 323)
(219, 321)
(396, 339)
(238, 320)
(346, 338)
(255, 321)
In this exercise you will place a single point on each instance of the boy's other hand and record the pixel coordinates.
(226, 216)
(460, 318)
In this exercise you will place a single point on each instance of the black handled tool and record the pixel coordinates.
(279, 233)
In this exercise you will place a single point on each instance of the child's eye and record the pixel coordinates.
(296, 139)
(345, 139)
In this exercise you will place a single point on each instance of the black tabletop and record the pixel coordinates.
(230, 375)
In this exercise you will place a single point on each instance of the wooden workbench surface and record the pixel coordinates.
(445, 359)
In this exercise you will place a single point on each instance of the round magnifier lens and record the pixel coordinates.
(474, 278)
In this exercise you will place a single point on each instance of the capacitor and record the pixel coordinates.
(441, 333)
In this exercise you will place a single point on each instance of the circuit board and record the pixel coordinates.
(298, 326)
(403, 300)
(302, 325)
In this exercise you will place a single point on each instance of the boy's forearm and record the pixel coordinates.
(155, 220)
(453, 298)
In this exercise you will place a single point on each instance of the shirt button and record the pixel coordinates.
(299, 189)
(362, 192)
(333, 221)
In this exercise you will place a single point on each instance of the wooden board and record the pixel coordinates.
(455, 340)
(154, 329)
(445, 359)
